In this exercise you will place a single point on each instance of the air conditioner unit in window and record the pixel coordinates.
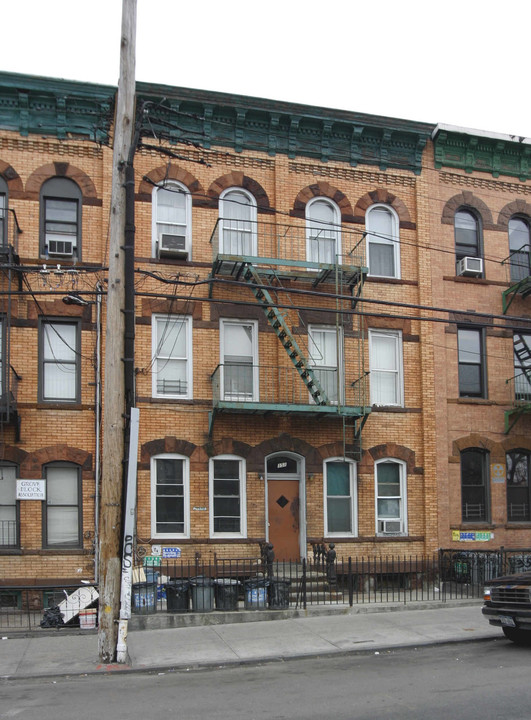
(65, 248)
(470, 266)
(172, 246)
(391, 527)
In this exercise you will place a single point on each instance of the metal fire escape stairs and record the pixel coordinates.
(523, 352)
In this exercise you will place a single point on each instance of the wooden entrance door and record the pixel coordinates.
(284, 514)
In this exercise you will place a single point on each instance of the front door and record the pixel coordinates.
(283, 503)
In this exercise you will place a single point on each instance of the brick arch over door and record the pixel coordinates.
(517, 207)
(168, 444)
(170, 172)
(10, 453)
(324, 190)
(237, 179)
(56, 453)
(383, 196)
(285, 443)
(12, 178)
(465, 200)
(62, 170)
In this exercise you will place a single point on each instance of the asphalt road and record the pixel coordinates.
(488, 680)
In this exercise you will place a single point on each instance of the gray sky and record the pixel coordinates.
(458, 62)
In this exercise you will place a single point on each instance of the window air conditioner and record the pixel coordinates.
(391, 526)
(470, 266)
(172, 246)
(65, 248)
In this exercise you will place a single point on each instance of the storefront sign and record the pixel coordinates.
(472, 536)
(31, 489)
(171, 552)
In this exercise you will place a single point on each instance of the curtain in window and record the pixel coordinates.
(8, 506)
(62, 506)
(171, 211)
(389, 493)
(381, 242)
(238, 361)
(385, 389)
(238, 229)
(323, 232)
(59, 361)
(519, 249)
(172, 356)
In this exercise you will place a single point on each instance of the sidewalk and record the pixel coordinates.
(332, 630)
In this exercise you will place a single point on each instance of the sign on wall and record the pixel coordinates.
(171, 552)
(31, 489)
(472, 536)
(497, 472)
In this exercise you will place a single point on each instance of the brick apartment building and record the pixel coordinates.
(292, 382)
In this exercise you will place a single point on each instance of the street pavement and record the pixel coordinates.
(322, 630)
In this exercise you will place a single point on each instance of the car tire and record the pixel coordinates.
(517, 636)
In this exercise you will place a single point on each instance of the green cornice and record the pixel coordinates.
(482, 152)
(60, 108)
(244, 123)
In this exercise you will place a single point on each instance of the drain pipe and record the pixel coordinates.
(97, 463)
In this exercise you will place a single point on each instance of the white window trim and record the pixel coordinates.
(186, 483)
(187, 320)
(394, 241)
(353, 479)
(336, 226)
(243, 497)
(168, 184)
(397, 334)
(403, 497)
(252, 219)
(256, 390)
(338, 334)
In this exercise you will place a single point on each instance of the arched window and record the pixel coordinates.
(3, 213)
(323, 231)
(383, 242)
(60, 218)
(467, 231)
(170, 496)
(9, 507)
(519, 248)
(237, 212)
(391, 496)
(62, 516)
(172, 221)
(228, 505)
(340, 496)
(518, 486)
(474, 485)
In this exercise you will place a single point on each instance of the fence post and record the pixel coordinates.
(303, 583)
(350, 583)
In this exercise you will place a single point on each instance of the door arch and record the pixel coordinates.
(286, 505)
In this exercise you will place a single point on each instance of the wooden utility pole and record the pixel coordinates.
(114, 395)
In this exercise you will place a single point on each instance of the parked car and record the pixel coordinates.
(508, 605)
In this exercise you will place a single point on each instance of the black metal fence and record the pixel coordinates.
(261, 584)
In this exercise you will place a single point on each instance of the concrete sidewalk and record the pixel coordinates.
(333, 630)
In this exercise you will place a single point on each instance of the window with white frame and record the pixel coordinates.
(227, 496)
(9, 506)
(323, 231)
(62, 521)
(383, 242)
(340, 497)
(170, 496)
(391, 497)
(172, 354)
(172, 221)
(386, 367)
(59, 352)
(323, 344)
(60, 218)
(239, 354)
(237, 212)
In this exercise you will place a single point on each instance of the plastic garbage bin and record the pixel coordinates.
(226, 593)
(202, 594)
(177, 596)
(256, 594)
(144, 598)
(279, 593)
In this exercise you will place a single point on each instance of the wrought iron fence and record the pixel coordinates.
(259, 583)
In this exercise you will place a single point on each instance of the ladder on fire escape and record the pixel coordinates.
(522, 352)
(284, 334)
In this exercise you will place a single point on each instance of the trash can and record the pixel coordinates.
(144, 598)
(256, 594)
(202, 594)
(226, 593)
(177, 596)
(279, 593)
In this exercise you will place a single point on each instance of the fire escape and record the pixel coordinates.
(519, 267)
(271, 260)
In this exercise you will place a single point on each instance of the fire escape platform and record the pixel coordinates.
(521, 288)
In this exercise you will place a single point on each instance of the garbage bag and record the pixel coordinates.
(52, 618)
